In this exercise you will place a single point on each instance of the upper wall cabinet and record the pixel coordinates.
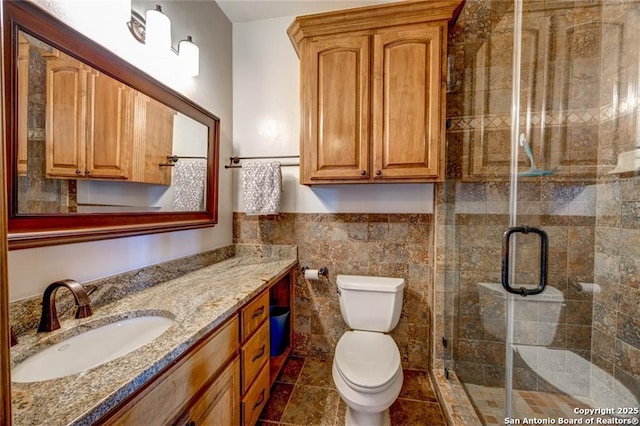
(100, 128)
(373, 92)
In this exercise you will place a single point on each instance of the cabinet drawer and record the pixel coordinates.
(253, 314)
(165, 398)
(255, 400)
(254, 354)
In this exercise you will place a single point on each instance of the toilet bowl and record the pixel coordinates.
(547, 306)
(366, 367)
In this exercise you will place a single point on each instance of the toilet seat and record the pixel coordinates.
(367, 361)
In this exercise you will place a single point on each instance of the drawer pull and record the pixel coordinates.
(258, 312)
(259, 355)
(258, 402)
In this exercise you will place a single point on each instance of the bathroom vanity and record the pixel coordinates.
(213, 363)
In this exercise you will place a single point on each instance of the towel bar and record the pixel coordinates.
(173, 159)
(234, 161)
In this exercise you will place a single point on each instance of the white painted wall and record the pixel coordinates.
(266, 121)
(30, 271)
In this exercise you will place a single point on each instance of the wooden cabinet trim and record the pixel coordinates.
(371, 17)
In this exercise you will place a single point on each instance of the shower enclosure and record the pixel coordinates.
(542, 196)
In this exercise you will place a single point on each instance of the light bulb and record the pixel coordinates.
(158, 30)
(189, 56)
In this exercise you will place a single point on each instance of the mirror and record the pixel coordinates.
(96, 148)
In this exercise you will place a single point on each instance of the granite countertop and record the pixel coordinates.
(198, 301)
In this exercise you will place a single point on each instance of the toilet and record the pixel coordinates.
(366, 368)
(548, 305)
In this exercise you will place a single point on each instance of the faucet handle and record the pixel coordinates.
(84, 311)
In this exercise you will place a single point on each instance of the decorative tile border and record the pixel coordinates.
(36, 134)
(591, 116)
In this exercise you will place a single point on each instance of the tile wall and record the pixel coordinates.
(395, 245)
(616, 314)
(579, 83)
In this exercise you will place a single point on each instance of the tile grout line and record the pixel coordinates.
(295, 383)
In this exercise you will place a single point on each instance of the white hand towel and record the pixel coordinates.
(189, 178)
(262, 187)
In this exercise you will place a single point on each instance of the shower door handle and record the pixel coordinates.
(544, 247)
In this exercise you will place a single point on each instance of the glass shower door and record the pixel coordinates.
(571, 269)
(545, 133)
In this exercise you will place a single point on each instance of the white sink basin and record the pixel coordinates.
(90, 349)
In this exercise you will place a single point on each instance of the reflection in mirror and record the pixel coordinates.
(91, 144)
(95, 147)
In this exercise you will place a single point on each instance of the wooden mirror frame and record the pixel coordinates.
(34, 230)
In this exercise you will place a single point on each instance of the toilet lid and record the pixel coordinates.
(368, 361)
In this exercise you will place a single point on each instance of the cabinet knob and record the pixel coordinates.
(378, 172)
(86, 172)
(363, 172)
(78, 172)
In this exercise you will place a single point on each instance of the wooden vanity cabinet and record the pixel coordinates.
(254, 358)
(282, 293)
(204, 384)
(373, 92)
(225, 379)
(218, 403)
(259, 369)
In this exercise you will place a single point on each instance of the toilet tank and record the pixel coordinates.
(370, 303)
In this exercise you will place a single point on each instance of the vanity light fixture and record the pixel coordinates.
(189, 55)
(154, 30)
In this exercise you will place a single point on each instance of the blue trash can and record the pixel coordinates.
(279, 323)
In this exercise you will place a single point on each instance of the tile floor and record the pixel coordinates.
(304, 394)
(489, 403)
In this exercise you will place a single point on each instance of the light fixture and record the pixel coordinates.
(190, 56)
(158, 30)
(155, 32)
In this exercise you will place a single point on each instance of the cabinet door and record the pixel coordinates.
(152, 140)
(220, 403)
(408, 102)
(335, 116)
(158, 142)
(165, 397)
(109, 133)
(66, 109)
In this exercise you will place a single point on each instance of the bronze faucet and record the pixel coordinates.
(14, 339)
(49, 319)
